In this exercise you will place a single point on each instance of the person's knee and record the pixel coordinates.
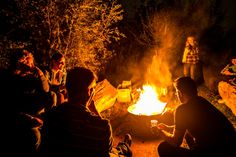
(36, 137)
(53, 99)
(61, 98)
(162, 149)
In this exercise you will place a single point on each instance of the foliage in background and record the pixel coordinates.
(159, 18)
(160, 28)
(165, 28)
(81, 29)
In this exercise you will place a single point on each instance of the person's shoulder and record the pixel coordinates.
(181, 108)
(98, 117)
(63, 110)
(105, 121)
(192, 102)
(201, 99)
(101, 121)
(59, 108)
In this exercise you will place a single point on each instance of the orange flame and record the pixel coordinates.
(148, 102)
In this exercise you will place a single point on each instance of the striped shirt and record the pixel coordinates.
(72, 131)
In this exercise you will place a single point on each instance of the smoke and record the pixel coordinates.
(160, 42)
(167, 50)
(169, 29)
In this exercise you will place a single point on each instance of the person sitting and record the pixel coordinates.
(56, 75)
(227, 88)
(205, 129)
(230, 69)
(72, 129)
(28, 91)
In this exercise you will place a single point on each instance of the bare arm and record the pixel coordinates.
(169, 134)
(185, 55)
(43, 79)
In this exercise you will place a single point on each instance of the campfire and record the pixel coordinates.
(149, 102)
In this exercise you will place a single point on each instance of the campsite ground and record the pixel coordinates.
(146, 147)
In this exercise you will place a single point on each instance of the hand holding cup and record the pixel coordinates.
(154, 123)
(154, 129)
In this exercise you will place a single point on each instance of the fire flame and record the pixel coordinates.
(148, 102)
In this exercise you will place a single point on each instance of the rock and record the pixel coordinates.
(228, 95)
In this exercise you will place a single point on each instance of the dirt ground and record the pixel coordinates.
(144, 143)
(142, 148)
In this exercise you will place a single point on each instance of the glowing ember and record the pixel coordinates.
(148, 102)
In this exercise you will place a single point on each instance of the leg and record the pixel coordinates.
(37, 137)
(166, 150)
(53, 99)
(186, 69)
(194, 71)
(61, 97)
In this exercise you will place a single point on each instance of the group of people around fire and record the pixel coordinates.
(192, 67)
(200, 125)
(52, 113)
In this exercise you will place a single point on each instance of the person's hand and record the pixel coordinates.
(38, 71)
(36, 122)
(154, 127)
(155, 130)
(226, 72)
(162, 126)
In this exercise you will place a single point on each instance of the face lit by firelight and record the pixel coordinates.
(59, 64)
(27, 59)
(190, 41)
(178, 95)
(233, 61)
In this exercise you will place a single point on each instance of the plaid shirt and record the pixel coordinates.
(192, 55)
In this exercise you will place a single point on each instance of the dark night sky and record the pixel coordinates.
(230, 9)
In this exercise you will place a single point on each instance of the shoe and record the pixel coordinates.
(128, 139)
(221, 101)
(123, 147)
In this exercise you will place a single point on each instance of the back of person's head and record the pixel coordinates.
(78, 80)
(186, 85)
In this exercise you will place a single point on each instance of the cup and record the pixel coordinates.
(153, 123)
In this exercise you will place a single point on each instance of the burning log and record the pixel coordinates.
(148, 102)
(147, 107)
